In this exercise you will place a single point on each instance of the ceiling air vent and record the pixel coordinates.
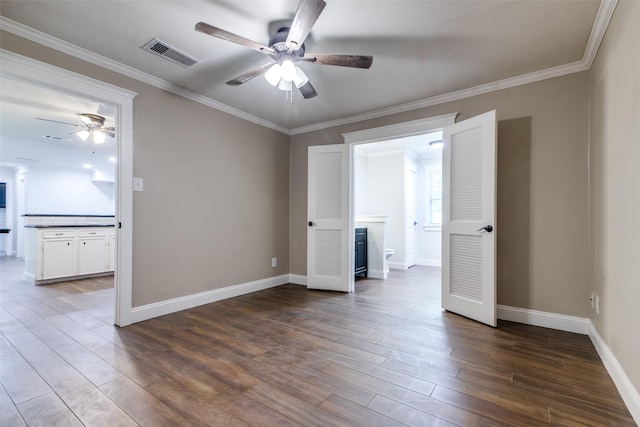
(170, 53)
(56, 138)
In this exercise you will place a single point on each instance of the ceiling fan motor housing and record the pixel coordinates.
(92, 120)
(277, 43)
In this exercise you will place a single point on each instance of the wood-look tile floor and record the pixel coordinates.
(384, 356)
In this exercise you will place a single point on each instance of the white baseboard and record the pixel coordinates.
(376, 274)
(429, 262)
(583, 326)
(297, 279)
(31, 278)
(628, 392)
(397, 265)
(562, 322)
(149, 311)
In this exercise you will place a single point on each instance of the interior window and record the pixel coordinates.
(434, 198)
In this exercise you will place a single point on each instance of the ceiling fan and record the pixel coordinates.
(92, 124)
(286, 48)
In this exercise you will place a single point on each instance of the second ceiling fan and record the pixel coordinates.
(286, 48)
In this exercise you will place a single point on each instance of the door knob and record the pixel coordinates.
(415, 223)
(310, 223)
(487, 228)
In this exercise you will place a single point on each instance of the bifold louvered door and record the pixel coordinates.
(330, 261)
(469, 213)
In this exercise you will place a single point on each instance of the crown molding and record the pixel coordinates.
(104, 62)
(523, 79)
(605, 12)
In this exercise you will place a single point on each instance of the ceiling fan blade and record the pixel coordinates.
(109, 131)
(249, 75)
(56, 121)
(234, 38)
(307, 91)
(306, 15)
(355, 61)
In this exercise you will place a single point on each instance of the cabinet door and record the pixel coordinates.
(58, 258)
(91, 256)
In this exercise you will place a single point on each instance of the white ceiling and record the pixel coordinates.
(421, 49)
(29, 142)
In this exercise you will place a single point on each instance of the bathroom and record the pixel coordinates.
(398, 198)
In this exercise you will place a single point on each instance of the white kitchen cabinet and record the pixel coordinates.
(92, 251)
(67, 253)
(58, 258)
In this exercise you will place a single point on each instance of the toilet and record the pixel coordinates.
(388, 253)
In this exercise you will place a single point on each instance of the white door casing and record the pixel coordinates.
(330, 249)
(469, 204)
(29, 70)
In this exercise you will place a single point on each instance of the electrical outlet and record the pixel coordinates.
(597, 303)
(592, 299)
(274, 262)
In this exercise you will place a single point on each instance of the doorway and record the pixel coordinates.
(330, 201)
(27, 71)
(406, 135)
(395, 182)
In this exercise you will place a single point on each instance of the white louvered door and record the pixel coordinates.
(468, 223)
(329, 257)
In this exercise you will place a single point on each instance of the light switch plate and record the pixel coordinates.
(138, 183)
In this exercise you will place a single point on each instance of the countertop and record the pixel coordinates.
(68, 226)
(71, 215)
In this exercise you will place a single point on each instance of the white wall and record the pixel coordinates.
(385, 196)
(360, 183)
(67, 191)
(379, 190)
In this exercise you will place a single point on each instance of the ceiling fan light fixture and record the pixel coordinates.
(83, 134)
(288, 70)
(301, 78)
(99, 137)
(285, 85)
(274, 74)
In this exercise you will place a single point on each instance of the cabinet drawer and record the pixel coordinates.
(57, 234)
(92, 233)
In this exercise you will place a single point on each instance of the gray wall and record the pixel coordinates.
(614, 226)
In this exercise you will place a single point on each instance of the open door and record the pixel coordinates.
(330, 251)
(469, 218)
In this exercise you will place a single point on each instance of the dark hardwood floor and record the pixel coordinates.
(384, 356)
